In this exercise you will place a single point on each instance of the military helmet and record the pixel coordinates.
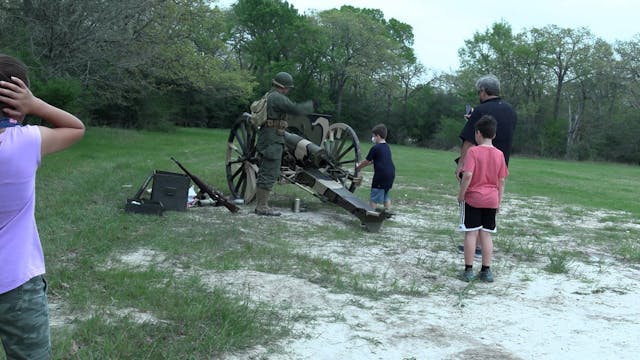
(283, 80)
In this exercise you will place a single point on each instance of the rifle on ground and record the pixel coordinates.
(206, 189)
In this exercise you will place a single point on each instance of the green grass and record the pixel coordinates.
(559, 262)
(587, 184)
(84, 230)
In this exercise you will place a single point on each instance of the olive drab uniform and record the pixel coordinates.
(270, 144)
(271, 136)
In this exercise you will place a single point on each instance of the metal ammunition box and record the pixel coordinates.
(170, 189)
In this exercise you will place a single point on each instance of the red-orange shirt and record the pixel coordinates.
(488, 166)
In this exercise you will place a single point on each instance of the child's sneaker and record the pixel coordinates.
(467, 276)
(486, 276)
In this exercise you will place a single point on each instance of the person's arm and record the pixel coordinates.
(468, 139)
(67, 128)
(283, 104)
(464, 184)
(466, 145)
(370, 158)
(363, 163)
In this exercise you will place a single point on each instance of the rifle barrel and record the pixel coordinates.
(213, 194)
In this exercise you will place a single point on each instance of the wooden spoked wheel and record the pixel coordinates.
(241, 159)
(343, 149)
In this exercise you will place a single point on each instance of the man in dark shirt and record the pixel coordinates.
(488, 88)
(491, 103)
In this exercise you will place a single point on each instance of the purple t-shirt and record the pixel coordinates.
(21, 256)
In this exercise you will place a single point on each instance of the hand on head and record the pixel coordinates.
(18, 98)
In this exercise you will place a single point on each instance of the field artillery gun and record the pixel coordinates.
(319, 157)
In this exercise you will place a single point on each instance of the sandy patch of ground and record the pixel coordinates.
(589, 313)
(547, 318)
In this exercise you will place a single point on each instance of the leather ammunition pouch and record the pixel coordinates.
(279, 125)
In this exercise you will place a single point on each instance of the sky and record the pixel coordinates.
(441, 27)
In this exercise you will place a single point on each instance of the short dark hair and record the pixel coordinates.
(490, 84)
(380, 130)
(487, 126)
(10, 66)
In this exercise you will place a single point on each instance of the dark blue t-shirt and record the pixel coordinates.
(384, 172)
(505, 117)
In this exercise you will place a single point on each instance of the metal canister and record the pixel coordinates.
(296, 205)
(203, 202)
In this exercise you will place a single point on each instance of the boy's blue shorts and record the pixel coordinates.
(379, 196)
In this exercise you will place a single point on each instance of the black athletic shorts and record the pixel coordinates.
(472, 219)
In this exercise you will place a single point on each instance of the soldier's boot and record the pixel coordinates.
(262, 201)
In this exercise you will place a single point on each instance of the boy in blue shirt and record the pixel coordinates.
(384, 171)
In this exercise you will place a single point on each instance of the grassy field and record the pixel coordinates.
(97, 301)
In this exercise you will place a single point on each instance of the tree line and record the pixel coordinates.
(156, 64)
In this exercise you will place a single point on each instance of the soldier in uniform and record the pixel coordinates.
(271, 138)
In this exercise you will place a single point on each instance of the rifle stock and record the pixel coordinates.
(214, 194)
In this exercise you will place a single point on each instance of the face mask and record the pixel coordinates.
(373, 139)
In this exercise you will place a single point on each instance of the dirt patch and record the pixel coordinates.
(547, 317)
(589, 312)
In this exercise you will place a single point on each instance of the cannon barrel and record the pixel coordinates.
(304, 150)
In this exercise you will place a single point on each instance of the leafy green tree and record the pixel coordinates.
(125, 53)
(531, 65)
(622, 123)
(359, 48)
(590, 99)
(266, 35)
(564, 49)
(517, 60)
(491, 52)
(629, 70)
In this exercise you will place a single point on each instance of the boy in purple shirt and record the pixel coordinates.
(24, 319)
